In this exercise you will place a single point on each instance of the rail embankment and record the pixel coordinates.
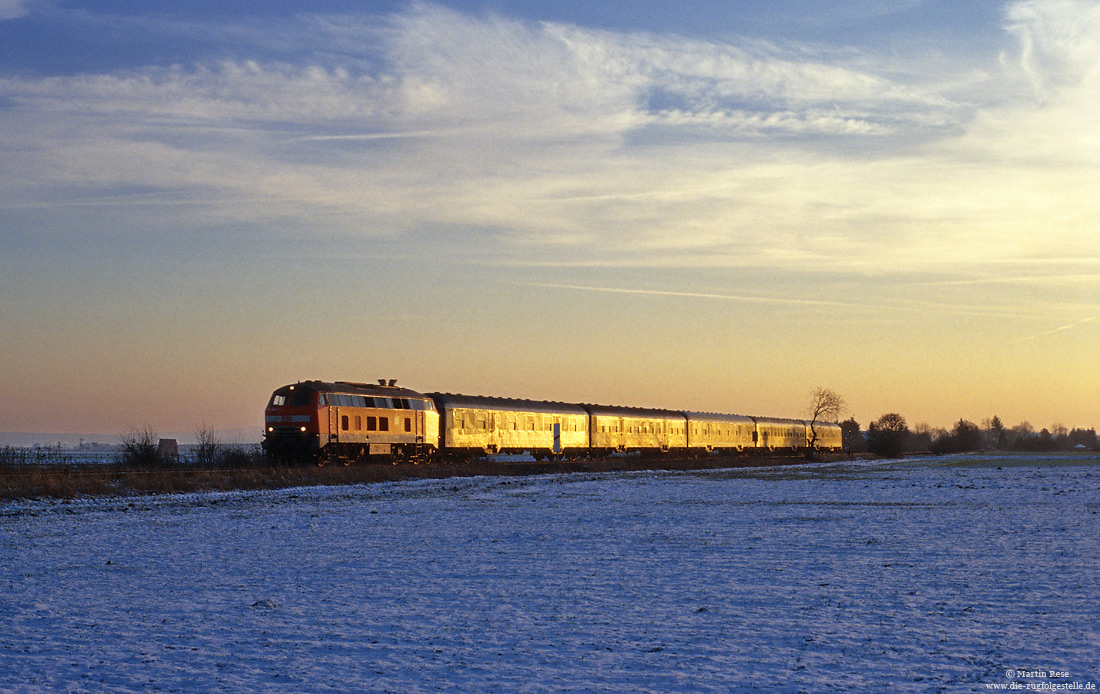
(74, 481)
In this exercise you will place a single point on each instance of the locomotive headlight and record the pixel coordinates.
(303, 430)
(270, 430)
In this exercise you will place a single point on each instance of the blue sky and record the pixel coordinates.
(717, 206)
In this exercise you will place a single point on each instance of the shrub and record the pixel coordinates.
(887, 436)
(139, 449)
(240, 457)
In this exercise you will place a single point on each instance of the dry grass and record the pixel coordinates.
(66, 482)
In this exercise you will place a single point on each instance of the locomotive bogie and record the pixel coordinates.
(505, 425)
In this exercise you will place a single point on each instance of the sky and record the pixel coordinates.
(706, 206)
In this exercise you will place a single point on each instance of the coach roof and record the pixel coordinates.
(481, 402)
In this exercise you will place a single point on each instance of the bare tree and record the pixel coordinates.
(208, 448)
(826, 405)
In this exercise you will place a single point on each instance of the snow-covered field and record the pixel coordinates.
(924, 575)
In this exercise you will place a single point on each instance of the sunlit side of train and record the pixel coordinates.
(344, 421)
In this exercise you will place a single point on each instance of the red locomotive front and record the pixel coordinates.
(291, 422)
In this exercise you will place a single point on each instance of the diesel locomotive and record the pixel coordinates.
(346, 421)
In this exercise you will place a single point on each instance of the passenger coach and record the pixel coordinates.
(830, 436)
(622, 429)
(475, 425)
(709, 432)
(774, 434)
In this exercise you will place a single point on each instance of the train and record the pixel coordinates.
(348, 422)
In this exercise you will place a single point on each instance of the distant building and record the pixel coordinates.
(168, 449)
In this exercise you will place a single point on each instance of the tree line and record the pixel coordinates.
(891, 436)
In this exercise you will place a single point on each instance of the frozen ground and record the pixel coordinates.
(921, 576)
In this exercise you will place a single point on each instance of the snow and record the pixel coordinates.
(914, 576)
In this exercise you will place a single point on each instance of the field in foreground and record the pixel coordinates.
(948, 574)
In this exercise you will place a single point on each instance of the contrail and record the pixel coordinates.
(702, 295)
(885, 307)
(1071, 326)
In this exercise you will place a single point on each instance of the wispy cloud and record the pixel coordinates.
(1058, 47)
(13, 9)
(574, 145)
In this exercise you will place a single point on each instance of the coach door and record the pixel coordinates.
(557, 437)
(333, 423)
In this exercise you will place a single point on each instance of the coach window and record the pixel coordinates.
(344, 422)
(372, 423)
(383, 424)
(358, 423)
(408, 424)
